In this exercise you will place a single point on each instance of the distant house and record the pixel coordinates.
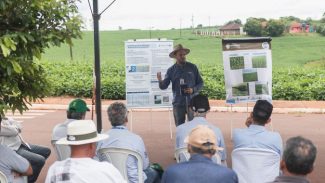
(231, 29)
(296, 27)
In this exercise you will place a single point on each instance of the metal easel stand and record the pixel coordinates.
(169, 117)
(170, 123)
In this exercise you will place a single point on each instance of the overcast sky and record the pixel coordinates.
(166, 14)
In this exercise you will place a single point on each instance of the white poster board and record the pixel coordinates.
(143, 59)
(247, 69)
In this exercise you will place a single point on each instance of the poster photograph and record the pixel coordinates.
(247, 69)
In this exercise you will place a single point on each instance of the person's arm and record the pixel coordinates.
(8, 130)
(164, 83)
(198, 81)
(144, 154)
(18, 163)
(26, 173)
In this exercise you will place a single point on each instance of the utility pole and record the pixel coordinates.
(192, 23)
(180, 27)
(98, 107)
(98, 95)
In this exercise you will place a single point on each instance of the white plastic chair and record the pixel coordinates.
(62, 151)
(3, 178)
(255, 165)
(118, 157)
(181, 155)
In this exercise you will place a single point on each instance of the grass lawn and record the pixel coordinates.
(287, 50)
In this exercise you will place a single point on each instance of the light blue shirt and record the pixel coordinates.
(121, 137)
(256, 136)
(184, 129)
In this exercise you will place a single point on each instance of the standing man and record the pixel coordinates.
(186, 83)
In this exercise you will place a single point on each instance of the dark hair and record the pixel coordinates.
(117, 113)
(200, 103)
(262, 111)
(299, 155)
(75, 115)
(202, 151)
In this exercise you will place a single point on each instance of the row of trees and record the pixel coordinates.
(272, 27)
(262, 27)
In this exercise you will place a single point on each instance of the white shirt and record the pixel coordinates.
(83, 170)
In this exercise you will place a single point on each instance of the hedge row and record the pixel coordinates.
(75, 79)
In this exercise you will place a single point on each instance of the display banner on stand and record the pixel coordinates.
(247, 69)
(143, 59)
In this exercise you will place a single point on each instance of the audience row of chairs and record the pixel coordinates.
(242, 158)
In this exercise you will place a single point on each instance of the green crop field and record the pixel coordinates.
(287, 51)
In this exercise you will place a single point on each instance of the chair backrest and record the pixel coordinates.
(181, 155)
(118, 157)
(255, 165)
(62, 151)
(3, 178)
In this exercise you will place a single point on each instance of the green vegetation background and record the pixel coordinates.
(292, 79)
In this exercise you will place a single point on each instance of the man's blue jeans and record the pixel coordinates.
(36, 157)
(179, 114)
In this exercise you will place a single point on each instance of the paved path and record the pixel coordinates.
(154, 128)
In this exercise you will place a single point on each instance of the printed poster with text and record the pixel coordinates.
(248, 69)
(143, 59)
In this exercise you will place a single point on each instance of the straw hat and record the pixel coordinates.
(81, 132)
(177, 48)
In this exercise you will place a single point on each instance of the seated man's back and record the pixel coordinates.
(200, 107)
(199, 169)
(256, 135)
(76, 170)
(183, 130)
(122, 138)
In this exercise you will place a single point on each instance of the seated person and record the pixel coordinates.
(202, 146)
(120, 136)
(36, 155)
(80, 167)
(13, 164)
(200, 106)
(76, 111)
(256, 135)
(297, 161)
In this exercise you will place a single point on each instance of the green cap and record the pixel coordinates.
(78, 105)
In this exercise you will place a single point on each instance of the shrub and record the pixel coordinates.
(75, 79)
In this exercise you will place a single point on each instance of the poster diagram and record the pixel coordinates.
(247, 69)
(143, 59)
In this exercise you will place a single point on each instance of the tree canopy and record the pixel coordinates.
(27, 28)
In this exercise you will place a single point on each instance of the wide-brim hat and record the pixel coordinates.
(203, 137)
(177, 48)
(81, 132)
